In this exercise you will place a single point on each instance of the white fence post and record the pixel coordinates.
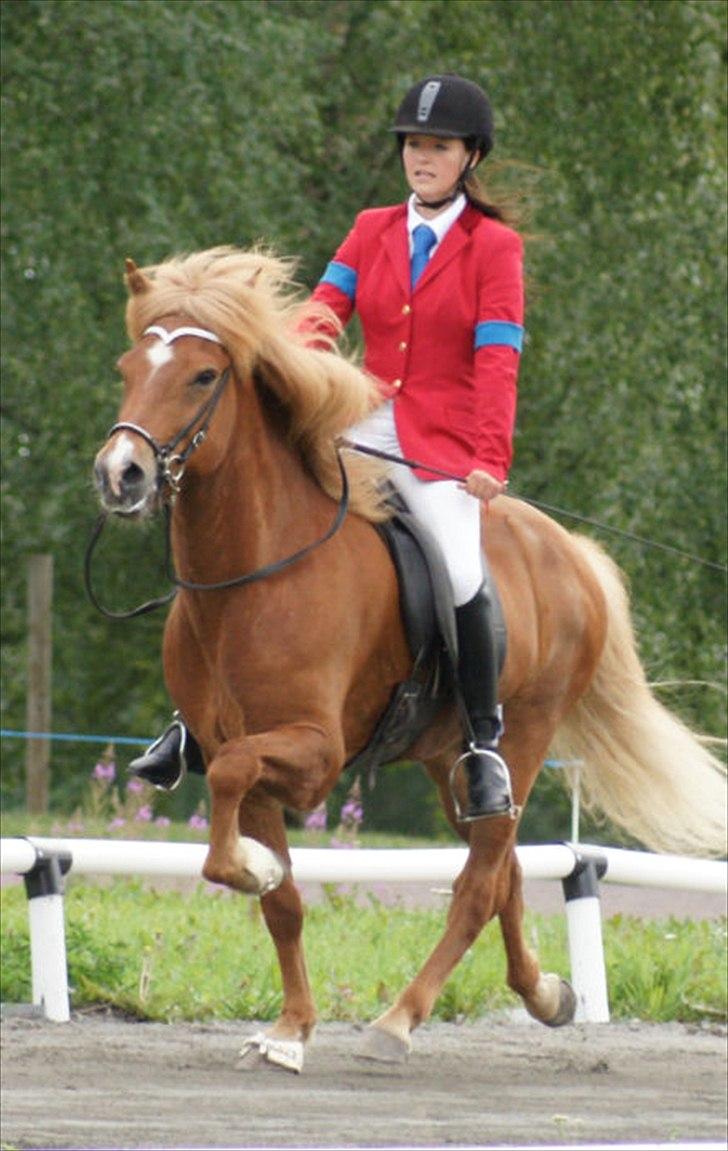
(586, 947)
(44, 888)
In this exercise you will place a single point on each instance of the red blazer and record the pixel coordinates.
(447, 351)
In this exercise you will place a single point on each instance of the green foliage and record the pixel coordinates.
(666, 970)
(146, 129)
(164, 955)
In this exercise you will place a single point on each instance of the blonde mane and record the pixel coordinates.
(251, 302)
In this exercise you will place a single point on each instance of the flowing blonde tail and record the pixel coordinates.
(640, 765)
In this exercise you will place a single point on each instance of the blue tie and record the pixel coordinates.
(423, 239)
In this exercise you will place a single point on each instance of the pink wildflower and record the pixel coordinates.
(105, 772)
(316, 820)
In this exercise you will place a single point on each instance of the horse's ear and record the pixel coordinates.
(135, 279)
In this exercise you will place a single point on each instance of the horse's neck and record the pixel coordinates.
(255, 508)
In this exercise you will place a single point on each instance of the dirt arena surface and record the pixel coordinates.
(100, 1081)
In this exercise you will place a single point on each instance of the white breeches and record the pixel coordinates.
(450, 513)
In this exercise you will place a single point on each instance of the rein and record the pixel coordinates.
(170, 470)
(353, 446)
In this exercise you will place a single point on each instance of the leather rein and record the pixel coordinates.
(171, 465)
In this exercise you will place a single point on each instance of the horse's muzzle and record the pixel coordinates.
(126, 484)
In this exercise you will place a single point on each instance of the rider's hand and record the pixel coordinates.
(483, 486)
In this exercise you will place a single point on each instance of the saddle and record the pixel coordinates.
(428, 615)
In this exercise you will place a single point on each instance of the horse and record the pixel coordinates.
(234, 399)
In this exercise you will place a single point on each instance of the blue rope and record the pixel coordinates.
(69, 737)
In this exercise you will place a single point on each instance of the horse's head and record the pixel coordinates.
(174, 381)
(194, 318)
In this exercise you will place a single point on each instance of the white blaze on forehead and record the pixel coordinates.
(159, 354)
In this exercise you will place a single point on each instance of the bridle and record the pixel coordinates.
(171, 466)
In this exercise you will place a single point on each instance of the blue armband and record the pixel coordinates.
(342, 277)
(498, 332)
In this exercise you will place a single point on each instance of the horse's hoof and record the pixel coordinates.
(553, 1001)
(264, 870)
(383, 1047)
(567, 1006)
(263, 1050)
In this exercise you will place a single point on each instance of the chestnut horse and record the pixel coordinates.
(231, 410)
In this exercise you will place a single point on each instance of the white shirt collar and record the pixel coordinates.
(440, 224)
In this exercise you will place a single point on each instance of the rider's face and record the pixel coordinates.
(433, 165)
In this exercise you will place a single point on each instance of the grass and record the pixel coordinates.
(166, 955)
(204, 954)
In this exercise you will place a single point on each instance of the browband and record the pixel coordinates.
(169, 337)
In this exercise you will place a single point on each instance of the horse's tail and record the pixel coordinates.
(639, 764)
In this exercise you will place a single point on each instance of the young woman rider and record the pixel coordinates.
(437, 283)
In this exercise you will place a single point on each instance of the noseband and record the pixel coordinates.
(170, 464)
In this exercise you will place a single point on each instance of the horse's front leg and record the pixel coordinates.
(283, 1044)
(296, 764)
(238, 862)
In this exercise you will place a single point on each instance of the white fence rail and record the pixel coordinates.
(44, 861)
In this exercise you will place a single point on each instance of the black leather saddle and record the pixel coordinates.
(428, 615)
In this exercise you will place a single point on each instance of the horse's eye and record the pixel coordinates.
(203, 379)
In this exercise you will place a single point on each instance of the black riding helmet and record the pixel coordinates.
(447, 105)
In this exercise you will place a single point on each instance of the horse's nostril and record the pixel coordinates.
(132, 477)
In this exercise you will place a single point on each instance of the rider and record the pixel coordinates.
(437, 284)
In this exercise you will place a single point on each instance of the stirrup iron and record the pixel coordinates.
(159, 771)
(494, 777)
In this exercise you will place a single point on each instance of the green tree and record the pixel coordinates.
(146, 127)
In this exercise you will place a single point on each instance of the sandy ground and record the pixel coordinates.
(100, 1081)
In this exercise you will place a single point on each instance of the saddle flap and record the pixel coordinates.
(426, 591)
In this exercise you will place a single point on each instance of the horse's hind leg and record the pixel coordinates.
(489, 884)
(478, 893)
(546, 996)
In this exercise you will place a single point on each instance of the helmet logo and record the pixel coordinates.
(428, 95)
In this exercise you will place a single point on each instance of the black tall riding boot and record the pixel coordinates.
(488, 779)
(166, 761)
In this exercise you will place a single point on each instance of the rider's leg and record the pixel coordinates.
(166, 761)
(453, 517)
(489, 784)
